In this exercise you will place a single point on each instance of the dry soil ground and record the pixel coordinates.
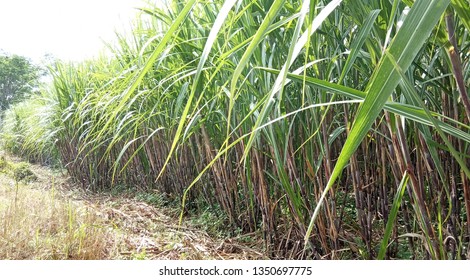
(45, 216)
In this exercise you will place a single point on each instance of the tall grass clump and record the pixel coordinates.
(28, 129)
(334, 128)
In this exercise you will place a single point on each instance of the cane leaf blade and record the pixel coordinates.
(404, 47)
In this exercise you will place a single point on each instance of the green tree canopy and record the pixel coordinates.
(18, 78)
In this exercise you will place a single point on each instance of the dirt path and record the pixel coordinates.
(48, 218)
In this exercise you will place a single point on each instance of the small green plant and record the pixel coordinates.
(23, 172)
(3, 163)
(213, 221)
(140, 255)
(151, 198)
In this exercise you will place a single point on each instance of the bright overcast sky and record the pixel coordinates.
(67, 29)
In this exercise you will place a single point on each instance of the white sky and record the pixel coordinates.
(67, 29)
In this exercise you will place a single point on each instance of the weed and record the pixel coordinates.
(22, 172)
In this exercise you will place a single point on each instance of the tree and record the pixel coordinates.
(18, 79)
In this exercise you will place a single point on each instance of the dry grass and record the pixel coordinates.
(37, 223)
(50, 219)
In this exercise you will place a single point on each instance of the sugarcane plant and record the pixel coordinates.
(335, 129)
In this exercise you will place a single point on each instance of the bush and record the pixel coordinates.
(23, 172)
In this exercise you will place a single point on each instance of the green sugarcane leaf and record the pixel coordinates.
(223, 13)
(404, 47)
(462, 8)
(259, 36)
(393, 216)
(358, 42)
(405, 110)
